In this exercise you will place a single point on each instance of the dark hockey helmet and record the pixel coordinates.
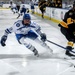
(74, 5)
(26, 16)
(26, 19)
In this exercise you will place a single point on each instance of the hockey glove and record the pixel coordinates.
(3, 40)
(68, 49)
(43, 37)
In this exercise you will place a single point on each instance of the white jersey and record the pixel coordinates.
(13, 5)
(19, 28)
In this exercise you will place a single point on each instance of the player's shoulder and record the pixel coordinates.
(18, 23)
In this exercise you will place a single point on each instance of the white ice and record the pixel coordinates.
(15, 59)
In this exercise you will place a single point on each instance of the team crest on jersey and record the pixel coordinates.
(17, 25)
(70, 13)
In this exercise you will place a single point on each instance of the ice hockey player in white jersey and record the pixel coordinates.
(23, 29)
(23, 10)
(14, 8)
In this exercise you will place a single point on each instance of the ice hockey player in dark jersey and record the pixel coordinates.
(67, 28)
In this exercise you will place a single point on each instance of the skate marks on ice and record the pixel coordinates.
(30, 56)
(20, 60)
(7, 69)
(42, 55)
(13, 73)
(24, 62)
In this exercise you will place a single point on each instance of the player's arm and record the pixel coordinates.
(38, 30)
(63, 23)
(4, 37)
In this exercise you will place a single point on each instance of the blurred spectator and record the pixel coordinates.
(58, 4)
(42, 6)
(50, 3)
(55, 3)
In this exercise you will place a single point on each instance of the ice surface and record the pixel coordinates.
(15, 59)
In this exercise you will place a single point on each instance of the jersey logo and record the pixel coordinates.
(70, 13)
(17, 25)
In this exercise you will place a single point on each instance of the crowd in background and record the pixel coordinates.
(43, 4)
(50, 3)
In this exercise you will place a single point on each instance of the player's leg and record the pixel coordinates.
(34, 36)
(70, 37)
(20, 14)
(21, 40)
(43, 44)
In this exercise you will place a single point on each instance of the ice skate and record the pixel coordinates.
(35, 52)
(69, 54)
(48, 48)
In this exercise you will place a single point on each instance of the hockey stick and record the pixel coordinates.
(59, 46)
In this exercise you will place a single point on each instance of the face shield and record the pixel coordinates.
(26, 19)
